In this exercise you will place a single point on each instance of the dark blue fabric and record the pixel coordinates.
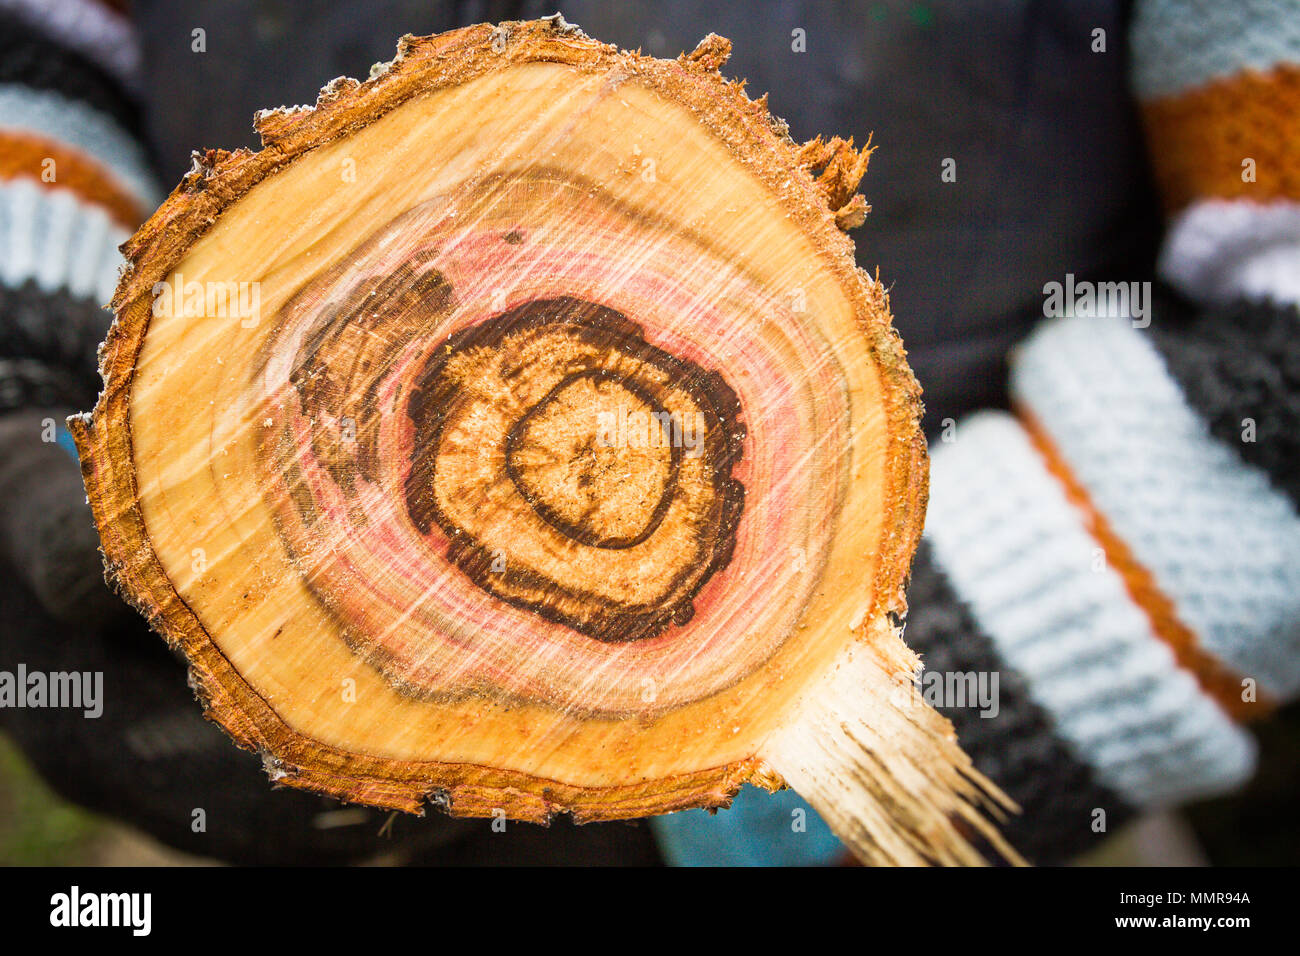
(758, 829)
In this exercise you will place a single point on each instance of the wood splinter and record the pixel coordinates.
(514, 432)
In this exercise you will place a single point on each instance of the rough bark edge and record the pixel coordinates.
(817, 183)
(884, 768)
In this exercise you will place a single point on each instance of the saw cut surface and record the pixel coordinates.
(515, 432)
(544, 418)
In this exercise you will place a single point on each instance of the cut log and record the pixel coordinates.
(515, 433)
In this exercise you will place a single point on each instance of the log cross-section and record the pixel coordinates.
(515, 432)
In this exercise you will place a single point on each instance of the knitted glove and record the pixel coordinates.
(1117, 552)
(74, 183)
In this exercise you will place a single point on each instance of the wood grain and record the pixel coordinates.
(563, 458)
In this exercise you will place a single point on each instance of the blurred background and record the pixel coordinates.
(1053, 175)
